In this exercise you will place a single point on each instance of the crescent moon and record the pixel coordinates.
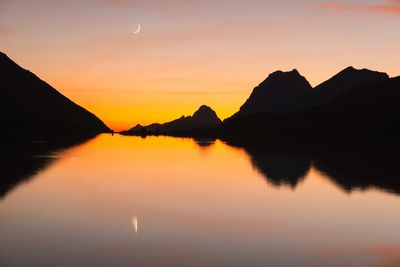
(138, 29)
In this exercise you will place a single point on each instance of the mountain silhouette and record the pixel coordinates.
(370, 110)
(278, 89)
(367, 110)
(284, 92)
(342, 82)
(206, 115)
(203, 118)
(29, 105)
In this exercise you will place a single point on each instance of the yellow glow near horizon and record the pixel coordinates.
(190, 53)
(124, 110)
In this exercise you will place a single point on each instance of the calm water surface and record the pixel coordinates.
(160, 202)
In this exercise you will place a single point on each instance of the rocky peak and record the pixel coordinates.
(279, 88)
(206, 115)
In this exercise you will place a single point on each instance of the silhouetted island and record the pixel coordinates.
(31, 106)
(202, 120)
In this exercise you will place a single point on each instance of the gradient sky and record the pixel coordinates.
(191, 52)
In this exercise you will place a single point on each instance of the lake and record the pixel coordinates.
(176, 202)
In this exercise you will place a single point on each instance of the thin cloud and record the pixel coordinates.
(386, 7)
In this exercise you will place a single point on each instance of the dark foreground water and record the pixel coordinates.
(167, 202)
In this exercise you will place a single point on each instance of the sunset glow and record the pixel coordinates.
(190, 53)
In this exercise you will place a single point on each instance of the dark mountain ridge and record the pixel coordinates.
(354, 104)
(29, 105)
(284, 92)
(370, 110)
(203, 118)
(340, 83)
(277, 89)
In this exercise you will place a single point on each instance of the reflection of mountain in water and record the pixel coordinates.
(280, 168)
(23, 157)
(281, 165)
(204, 142)
(361, 167)
(350, 167)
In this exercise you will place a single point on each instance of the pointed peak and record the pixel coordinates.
(204, 108)
(295, 71)
(138, 127)
(207, 115)
(350, 68)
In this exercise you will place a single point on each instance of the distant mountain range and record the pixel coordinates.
(29, 105)
(355, 104)
(342, 82)
(284, 92)
(337, 109)
(203, 118)
(281, 124)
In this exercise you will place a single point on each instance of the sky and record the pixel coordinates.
(191, 52)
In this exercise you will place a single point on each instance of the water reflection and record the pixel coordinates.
(24, 156)
(361, 167)
(350, 167)
(204, 142)
(202, 209)
(135, 224)
(280, 167)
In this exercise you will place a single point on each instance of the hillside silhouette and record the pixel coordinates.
(284, 92)
(355, 104)
(347, 127)
(342, 82)
(29, 105)
(203, 118)
(279, 88)
(370, 110)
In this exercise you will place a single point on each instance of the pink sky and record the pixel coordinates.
(191, 53)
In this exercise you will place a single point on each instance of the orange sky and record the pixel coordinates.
(191, 53)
